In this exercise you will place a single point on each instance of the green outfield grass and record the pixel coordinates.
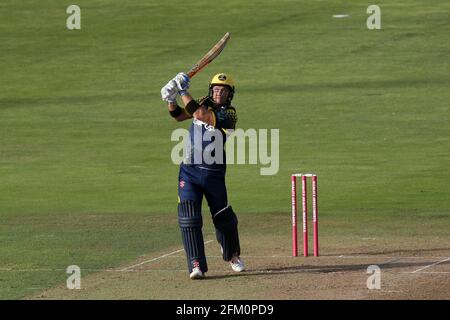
(85, 170)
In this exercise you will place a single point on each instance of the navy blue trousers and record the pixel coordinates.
(196, 181)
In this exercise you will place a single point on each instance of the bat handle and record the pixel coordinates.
(191, 73)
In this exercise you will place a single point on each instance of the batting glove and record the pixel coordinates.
(169, 92)
(182, 81)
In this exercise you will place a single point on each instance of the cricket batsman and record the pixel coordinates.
(202, 172)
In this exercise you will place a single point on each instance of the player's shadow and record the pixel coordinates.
(324, 269)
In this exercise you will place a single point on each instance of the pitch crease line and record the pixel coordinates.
(431, 265)
(154, 259)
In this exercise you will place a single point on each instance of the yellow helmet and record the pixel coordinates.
(222, 79)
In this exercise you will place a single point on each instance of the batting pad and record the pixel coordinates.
(227, 234)
(190, 222)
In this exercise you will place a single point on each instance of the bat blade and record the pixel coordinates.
(209, 56)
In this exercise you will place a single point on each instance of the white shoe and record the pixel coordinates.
(196, 274)
(237, 264)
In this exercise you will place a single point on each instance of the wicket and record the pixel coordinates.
(304, 213)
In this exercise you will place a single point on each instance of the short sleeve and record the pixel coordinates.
(205, 101)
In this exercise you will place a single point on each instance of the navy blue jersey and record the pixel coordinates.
(206, 144)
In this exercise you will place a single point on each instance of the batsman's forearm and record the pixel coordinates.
(171, 106)
(190, 104)
(177, 113)
(186, 99)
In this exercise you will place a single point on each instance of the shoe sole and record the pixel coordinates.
(238, 270)
(196, 276)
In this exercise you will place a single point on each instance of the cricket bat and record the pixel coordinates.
(209, 56)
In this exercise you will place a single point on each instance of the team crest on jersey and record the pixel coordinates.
(182, 184)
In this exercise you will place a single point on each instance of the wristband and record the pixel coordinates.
(175, 113)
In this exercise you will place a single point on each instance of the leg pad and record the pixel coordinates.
(226, 222)
(190, 222)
